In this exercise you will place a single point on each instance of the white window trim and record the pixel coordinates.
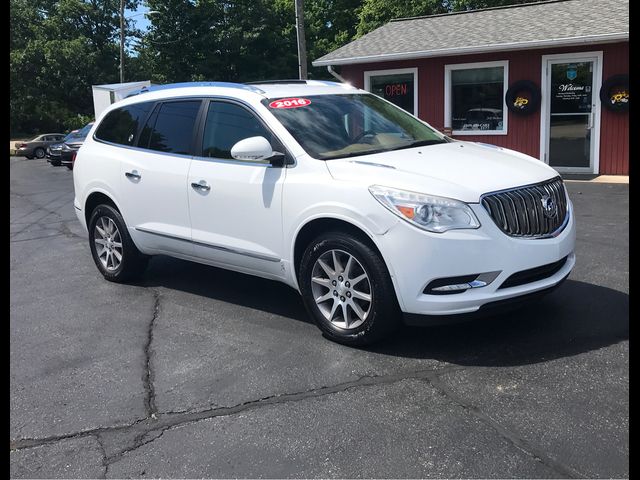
(395, 71)
(447, 96)
(595, 99)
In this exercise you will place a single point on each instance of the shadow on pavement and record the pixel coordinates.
(577, 317)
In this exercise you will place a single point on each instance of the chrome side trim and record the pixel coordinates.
(259, 256)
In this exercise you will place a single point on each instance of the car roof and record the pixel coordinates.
(265, 89)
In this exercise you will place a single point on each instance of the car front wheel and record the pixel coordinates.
(347, 289)
(113, 251)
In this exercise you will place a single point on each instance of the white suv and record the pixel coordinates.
(364, 209)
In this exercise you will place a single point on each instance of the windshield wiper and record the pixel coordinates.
(356, 154)
(419, 143)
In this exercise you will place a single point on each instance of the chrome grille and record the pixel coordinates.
(527, 211)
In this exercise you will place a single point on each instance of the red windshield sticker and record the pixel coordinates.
(290, 103)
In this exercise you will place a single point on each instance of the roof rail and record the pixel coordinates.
(276, 82)
(327, 83)
(155, 88)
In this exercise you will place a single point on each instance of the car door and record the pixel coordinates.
(154, 178)
(235, 206)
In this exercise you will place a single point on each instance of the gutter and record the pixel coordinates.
(336, 75)
(554, 42)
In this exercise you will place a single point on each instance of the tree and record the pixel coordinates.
(376, 13)
(58, 50)
(460, 5)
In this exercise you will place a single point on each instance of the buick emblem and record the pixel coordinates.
(549, 206)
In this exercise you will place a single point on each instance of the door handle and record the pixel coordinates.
(201, 186)
(134, 175)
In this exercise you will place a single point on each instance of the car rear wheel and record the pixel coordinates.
(39, 152)
(347, 290)
(113, 251)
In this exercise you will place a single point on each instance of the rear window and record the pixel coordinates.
(170, 128)
(121, 125)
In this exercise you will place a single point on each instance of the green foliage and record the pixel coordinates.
(376, 13)
(460, 5)
(58, 50)
(76, 121)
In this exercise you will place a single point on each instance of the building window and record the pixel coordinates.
(474, 98)
(400, 87)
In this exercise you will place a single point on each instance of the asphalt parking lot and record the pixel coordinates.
(199, 372)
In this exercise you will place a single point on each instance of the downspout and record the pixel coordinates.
(335, 74)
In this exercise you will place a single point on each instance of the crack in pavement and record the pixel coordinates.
(559, 468)
(147, 430)
(105, 463)
(147, 379)
(164, 421)
(22, 443)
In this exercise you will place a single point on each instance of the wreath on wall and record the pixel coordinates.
(523, 97)
(614, 93)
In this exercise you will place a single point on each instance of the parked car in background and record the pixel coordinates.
(37, 147)
(64, 153)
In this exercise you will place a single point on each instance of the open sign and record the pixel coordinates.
(290, 103)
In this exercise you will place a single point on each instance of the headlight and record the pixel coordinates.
(66, 147)
(434, 214)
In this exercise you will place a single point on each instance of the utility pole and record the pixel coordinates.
(302, 44)
(121, 41)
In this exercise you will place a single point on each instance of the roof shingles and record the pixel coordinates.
(487, 30)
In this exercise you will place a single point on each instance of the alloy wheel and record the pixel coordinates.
(108, 243)
(341, 289)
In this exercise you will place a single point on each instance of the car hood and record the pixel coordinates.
(460, 170)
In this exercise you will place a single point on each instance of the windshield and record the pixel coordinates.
(338, 126)
(82, 133)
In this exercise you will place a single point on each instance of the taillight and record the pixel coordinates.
(22, 145)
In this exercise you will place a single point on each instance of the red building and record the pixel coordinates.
(549, 79)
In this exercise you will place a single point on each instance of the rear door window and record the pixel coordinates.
(121, 125)
(171, 126)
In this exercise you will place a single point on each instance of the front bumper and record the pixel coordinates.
(66, 157)
(415, 258)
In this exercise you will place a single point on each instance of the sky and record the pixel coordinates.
(140, 20)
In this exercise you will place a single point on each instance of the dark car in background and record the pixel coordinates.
(64, 153)
(37, 147)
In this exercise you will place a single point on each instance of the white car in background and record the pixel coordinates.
(365, 210)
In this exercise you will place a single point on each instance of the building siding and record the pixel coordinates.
(523, 132)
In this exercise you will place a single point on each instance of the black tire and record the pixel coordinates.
(133, 263)
(39, 153)
(612, 85)
(55, 163)
(70, 167)
(382, 319)
(514, 100)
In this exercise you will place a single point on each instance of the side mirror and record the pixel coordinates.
(255, 149)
